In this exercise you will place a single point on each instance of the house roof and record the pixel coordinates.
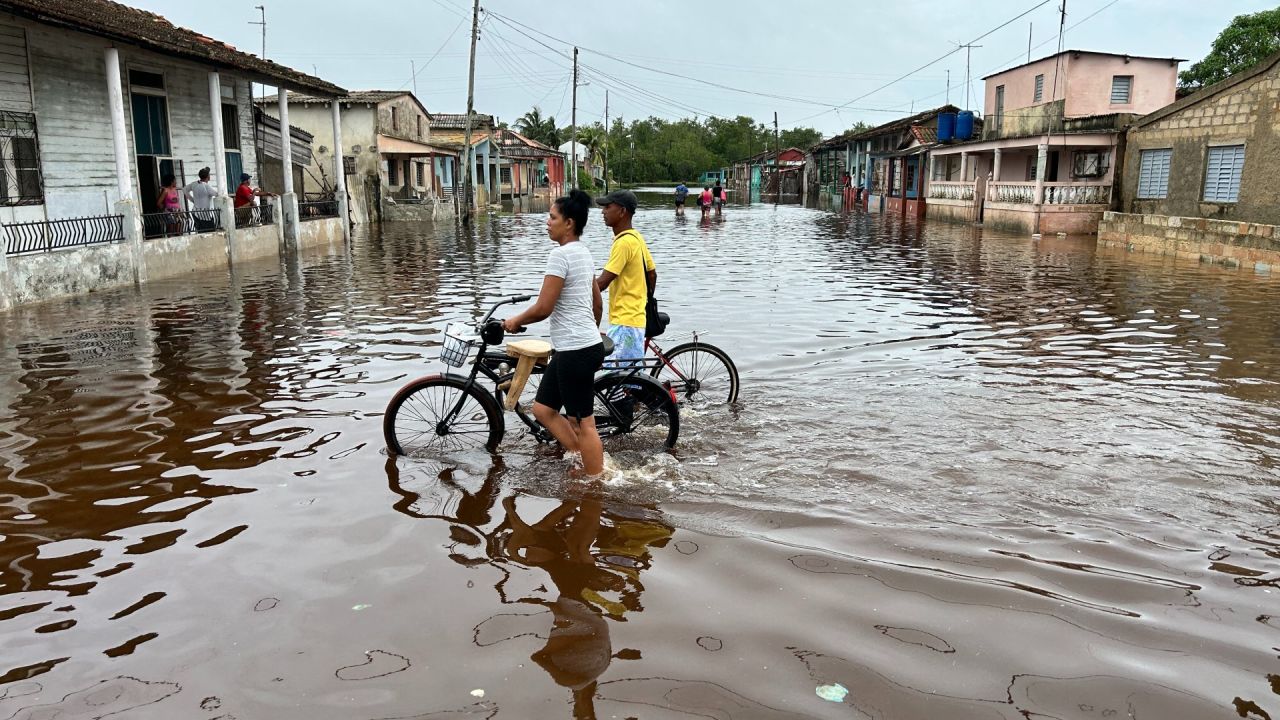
(458, 121)
(517, 140)
(1084, 52)
(353, 97)
(903, 123)
(151, 31)
(1217, 88)
(261, 116)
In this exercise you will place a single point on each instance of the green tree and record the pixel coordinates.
(536, 127)
(1246, 41)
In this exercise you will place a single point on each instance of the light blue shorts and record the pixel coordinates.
(628, 346)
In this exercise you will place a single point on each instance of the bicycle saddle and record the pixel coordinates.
(608, 345)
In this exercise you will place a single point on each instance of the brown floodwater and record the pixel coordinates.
(970, 475)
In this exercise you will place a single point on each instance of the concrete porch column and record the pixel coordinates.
(119, 131)
(288, 199)
(226, 207)
(964, 167)
(1042, 164)
(133, 237)
(995, 168)
(220, 180)
(339, 169)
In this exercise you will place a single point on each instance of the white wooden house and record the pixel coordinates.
(99, 102)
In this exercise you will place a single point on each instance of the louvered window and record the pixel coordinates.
(1153, 173)
(1121, 89)
(1039, 88)
(1222, 176)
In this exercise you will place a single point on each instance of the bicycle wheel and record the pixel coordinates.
(637, 406)
(699, 371)
(418, 419)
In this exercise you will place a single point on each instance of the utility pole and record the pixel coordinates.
(1030, 28)
(777, 161)
(948, 87)
(606, 141)
(413, 72)
(497, 154)
(466, 132)
(573, 142)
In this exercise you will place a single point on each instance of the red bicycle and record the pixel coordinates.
(697, 372)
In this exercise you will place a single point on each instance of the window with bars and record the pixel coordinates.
(422, 175)
(392, 165)
(1039, 94)
(1121, 89)
(348, 165)
(1153, 173)
(1222, 173)
(20, 179)
(999, 114)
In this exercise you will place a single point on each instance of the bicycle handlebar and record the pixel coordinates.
(508, 301)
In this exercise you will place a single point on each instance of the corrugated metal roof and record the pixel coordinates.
(153, 32)
(371, 97)
(458, 121)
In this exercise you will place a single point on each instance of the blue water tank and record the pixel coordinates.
(946, 126)
(964, 125)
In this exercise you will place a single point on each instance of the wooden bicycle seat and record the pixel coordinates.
(527, 353)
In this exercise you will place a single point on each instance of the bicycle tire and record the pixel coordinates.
(707, 371)
(651, 411)
(412, 423)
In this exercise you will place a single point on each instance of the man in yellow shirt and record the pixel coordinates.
(629, 275)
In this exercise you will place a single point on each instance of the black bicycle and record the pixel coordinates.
(452, 412)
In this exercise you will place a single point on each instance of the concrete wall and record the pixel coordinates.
(322, 232)
(1248, 245)
(1244, 114)
(40, 276)
(176, 256)
(959, 211)
(1045, 219)
(359, 141)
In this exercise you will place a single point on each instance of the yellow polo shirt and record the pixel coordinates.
(629, 259)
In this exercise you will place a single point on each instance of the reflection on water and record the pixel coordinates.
(969, 476)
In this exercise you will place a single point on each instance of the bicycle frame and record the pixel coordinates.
(488, 364)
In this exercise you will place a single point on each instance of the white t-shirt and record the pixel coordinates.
(202, 194)
(573, 323)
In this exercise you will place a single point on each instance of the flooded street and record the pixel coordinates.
(969, 476)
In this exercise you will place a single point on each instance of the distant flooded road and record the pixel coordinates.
(969, 476)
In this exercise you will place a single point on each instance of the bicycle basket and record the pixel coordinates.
(457, 345)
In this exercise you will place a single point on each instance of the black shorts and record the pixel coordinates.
(679, 202)
(568, 382)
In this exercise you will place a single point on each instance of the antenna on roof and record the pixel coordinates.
(263, 23)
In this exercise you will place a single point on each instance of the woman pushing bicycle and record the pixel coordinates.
(570, 298)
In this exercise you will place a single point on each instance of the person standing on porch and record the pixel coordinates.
(170, 203)
(201, 194)
(630, 276)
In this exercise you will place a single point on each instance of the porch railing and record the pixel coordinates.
(1077, 193)
(48, 235)
(263, 214)
(947, 190)
(317, 210)
(174, 224)
(1007, 192)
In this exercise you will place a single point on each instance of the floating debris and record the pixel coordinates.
(478, 692)
(832, 693)
(360, 607)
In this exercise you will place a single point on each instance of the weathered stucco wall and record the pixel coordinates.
(1244, 114)
(1089, 84)
(172, 257)
(257, 241)
(1248, 245)
(359, 141)
(316, 233)
(40, 276)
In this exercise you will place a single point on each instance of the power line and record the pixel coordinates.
(433, 57)
(934, 61)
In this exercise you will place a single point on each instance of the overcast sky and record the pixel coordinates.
(809, 55)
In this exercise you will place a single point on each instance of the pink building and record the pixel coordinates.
(1046, 159)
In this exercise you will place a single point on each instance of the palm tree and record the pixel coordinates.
(534, 126)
